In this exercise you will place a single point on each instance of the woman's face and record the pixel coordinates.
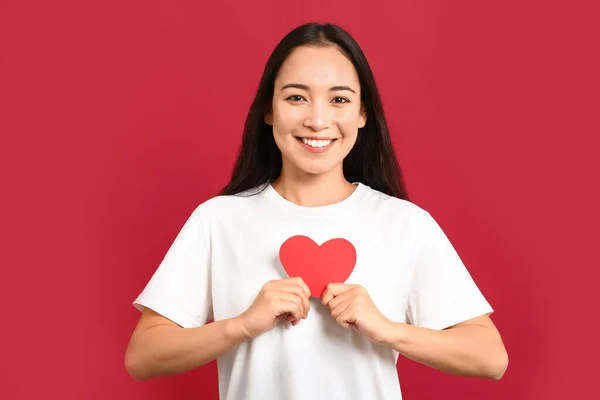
(316, 110)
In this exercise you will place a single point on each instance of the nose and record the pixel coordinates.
(318, 116)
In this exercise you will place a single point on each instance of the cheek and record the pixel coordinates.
(348, 120)
(349, 141)
(348, 127)
(286, 118)
(281, 142)
(283, 136)
(280, 129)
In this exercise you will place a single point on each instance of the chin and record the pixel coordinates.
(316, 169)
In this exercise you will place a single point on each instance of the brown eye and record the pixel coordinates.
(295, 98)
(340, 100)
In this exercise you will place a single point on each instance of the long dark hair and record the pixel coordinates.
(372, 161)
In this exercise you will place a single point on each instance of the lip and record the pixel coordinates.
(314, 138)
(316, 149)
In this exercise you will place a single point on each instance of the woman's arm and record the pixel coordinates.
(159, 347)
(471, 348)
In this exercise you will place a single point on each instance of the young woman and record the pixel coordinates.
(316, 160)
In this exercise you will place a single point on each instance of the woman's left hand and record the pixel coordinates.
(352, 307)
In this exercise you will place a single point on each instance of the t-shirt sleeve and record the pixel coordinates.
(442, 292)
(180, 287)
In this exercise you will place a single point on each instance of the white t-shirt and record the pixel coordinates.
(228, 249)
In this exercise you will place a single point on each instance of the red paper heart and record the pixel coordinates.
(332, 262)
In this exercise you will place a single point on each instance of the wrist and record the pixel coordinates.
(236, 331)
(393, 333)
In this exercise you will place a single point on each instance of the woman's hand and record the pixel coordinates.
(277, 298)
(352, 307)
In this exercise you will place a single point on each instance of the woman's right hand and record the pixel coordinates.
(276, 299)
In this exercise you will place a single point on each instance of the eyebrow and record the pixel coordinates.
(304, 87)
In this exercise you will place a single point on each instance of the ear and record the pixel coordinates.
(362, 119)
(269, 118)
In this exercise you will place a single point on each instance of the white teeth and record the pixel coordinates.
(317, 143)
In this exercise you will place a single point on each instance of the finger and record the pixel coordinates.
(346, 318)
(291, 320)
(297, 282)
(339, 310)
(294, 310)
(299, 291)
(301, 282)
(334, 289)
(291, 303)
(334, 302)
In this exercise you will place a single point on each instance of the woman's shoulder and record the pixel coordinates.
(227, 203)
(380, 200)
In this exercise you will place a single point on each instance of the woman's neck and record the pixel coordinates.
(314, 190)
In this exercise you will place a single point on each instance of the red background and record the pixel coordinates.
(119, 117)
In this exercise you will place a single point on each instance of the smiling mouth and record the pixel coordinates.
(317, 144)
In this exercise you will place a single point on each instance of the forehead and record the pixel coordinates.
(317, 67)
